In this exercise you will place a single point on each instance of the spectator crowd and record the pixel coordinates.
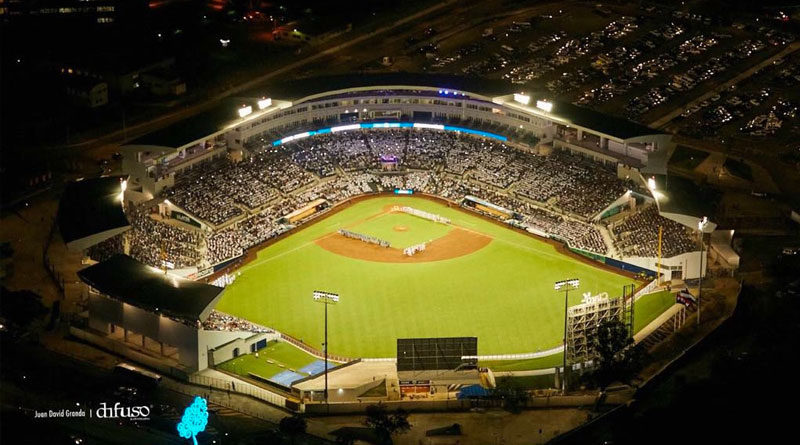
(243, 203)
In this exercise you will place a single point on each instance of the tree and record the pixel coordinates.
(617, 358)
(513, 396)
(385, 424)
(292, 426)
(194, 420)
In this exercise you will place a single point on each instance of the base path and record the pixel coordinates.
(458, 242)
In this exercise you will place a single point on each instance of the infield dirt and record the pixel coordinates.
(458, 242)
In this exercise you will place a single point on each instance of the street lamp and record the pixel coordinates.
(566, 286)
(700, 226)
(327, 299)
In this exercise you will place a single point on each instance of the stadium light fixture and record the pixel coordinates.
(544, 105)
(327, 299)
(264, 102)
(123, 185)
(701, 225)
(245, 110)
(522, 98)
(566, 286)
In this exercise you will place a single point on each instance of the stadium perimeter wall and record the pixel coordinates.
(617, 264)
(554, 401)
(240, 345)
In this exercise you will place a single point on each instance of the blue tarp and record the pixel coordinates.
(286, 378)
(316, 367)
(472, 391)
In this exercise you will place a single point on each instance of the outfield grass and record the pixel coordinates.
(651, 306)
(503, 293)
(647, 308)
(284, 357)
(550, 361)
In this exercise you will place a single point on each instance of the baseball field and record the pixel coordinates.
(475, 278)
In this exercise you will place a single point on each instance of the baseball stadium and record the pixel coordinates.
(355, 227)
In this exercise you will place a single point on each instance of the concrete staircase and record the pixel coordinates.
(611, 250)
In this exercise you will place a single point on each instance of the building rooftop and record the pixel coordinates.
(129, 281)
(600, 122)
(193, 128)
(679, 195)
(91, 210)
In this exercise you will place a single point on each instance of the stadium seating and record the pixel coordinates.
(557, 194)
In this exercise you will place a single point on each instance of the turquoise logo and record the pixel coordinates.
(194, 420)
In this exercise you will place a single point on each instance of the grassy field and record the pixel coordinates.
(651, 306)
(502, 294)
(274, 359)
(647, 308)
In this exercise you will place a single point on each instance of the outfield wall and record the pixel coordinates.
(239, 346)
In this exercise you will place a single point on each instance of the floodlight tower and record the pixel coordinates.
(566, 286)
(700, 226)
(327, 299)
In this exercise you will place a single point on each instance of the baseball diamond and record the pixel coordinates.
(475, 278)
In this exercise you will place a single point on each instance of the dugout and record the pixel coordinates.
(304, 212)
(487, 207)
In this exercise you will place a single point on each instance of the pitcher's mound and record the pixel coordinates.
(400, 228)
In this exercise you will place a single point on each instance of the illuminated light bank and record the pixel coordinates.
(245, 110)
(350, 127)
(544, 105)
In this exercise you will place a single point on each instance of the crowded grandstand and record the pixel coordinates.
(202, 200)
(557, 194)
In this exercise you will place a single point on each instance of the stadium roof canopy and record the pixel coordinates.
(90, 211)
(129, 281)
(224, 115)
(194, 128)
(602, 123)
(683, 201)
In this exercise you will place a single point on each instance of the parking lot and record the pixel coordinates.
(622, 60)
(763, 107)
